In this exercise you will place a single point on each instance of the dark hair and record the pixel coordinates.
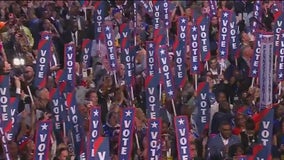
(89, 92)
(60, 150)
(224, 123)
(233, 149)
(250, 124)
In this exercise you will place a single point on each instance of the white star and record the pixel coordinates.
(194, 68)
(181, 121)
(69, 48)
(280, 75)
(162, 51)
(128, 113)
(194, 29)
(171, 92)
(151, 45)
(222, 53)
(226, 14)
(113, 64)
(154, 125)
(107, 28)
(254, 71)
(46, 37)
(183, 20)
(96, 113)
(44, 126)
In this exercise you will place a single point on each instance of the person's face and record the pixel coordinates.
(118, 15)
(226, 131)
(108, 81)
(248, 52)
(28, 73)
(214, 20)
(193, 151)
(245, 37)
(188, 12)
(46, 25)
(213, 63)
(13, 149)
(94, 98)
(44, 93)
(222, 97)
(114, 119)
(239, 151)
(241, 120)
(30, 150)
(210, 81)
(63, 155)
(122, 70)
(165, 128)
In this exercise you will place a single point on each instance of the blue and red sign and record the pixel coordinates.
(42, 142)
(255, 61)
(100, 12)
(109, 40)
(94, 128)
(42, 65)
(265, 133)
(69, 72)
(182, 137)
(280, 60)
(202, 118)
(86, 50)
(278, 27)
(223, 44)
(154, 136)
(166, 72)
(126, 133)
(179, 50)
(203, 31)
(194, 45)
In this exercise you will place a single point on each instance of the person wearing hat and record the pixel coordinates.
(26, 148)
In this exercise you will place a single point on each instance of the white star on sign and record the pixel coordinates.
(280, 75)
(69, 48)
(107, 28)
(96, 113)
(151, 45)
(154, 125)
(222, 53)
(181, 121)
(226, 14)
(194, 67)
(171, 92)
(254, 71)
(113, 64)
(183, 20)
(44, 126)
(162, 51)
(194, 29)
(128, 113)
(46, 37)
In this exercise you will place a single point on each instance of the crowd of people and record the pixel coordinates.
(234, 102)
